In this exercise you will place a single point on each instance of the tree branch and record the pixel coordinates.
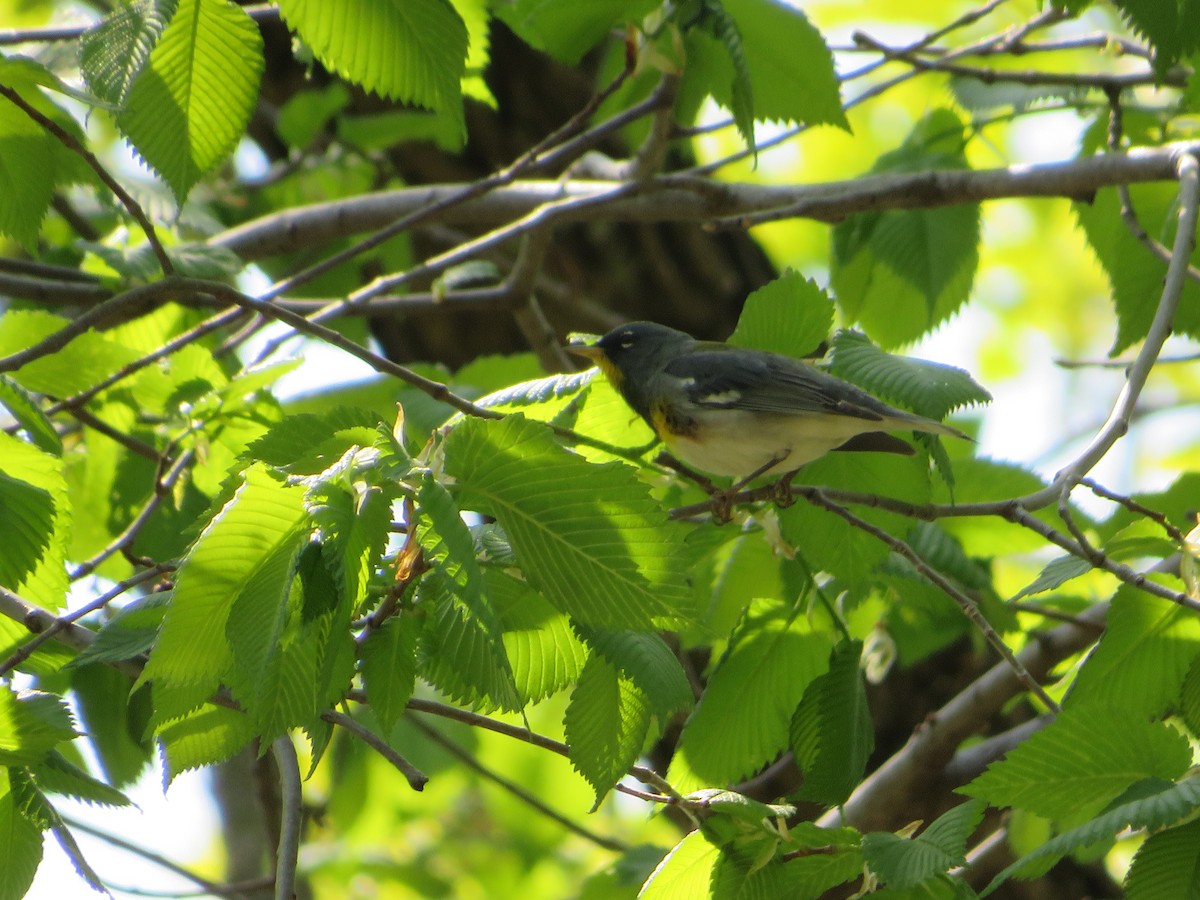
(690, 198)
(293, 817)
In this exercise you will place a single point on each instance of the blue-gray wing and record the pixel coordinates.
(765, 382)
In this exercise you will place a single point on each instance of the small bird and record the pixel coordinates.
(732, 411)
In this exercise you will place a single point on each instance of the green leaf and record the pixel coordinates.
(126, 261)
(113, 52)
(114, 721)
(1166, 805)
(462, 653)
(685, 872)
(244, 552)
(1189, 697)
(413, 51)
(547, 396)
(900, 273)
(647, 661)
(89, 358)
(566, 30)
(188, 107)
(21, 849)
(1131, 266)
(765, 61)
(263, 624)
(831, 732)
(389, 667)
(790, 67)
(741, 721)
(309, 443)
(131, 632)
(928, 388)
(813, 876)
(1080, 762)
(1172, 29)
(791, 315)
(830, 544)
(1166, 865)
(467, 628)
(721, 62)
(204, 737)
(29, 416)
(32, 724)
(590, 538)
(29, 170)
(1143, 656)
(27, 526)
(1054, 575)
(903, 864)
(22, 328)
(58, 775)
(35, 526)
(606, 724)
(353, 524)
(543, 651)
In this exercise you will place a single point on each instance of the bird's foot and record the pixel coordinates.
(781, 490)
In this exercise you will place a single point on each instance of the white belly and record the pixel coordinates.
(794, 440)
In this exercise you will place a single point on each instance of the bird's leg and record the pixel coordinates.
(702, 481)
(771, 463)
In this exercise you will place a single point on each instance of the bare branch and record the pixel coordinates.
(691, 198)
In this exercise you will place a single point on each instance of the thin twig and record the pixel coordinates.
(129, 442)
(1047, 612)
(1018, 510)
(970, 17)
(69, 141)
(515, 789)
(475, 189)
(57, 625)
(37, 620)
(212, 887)
(1033, 77)
(415, 777)
(1133, 506)
(1125, 198)
(162, 487)
(969, 607)
(643, 774)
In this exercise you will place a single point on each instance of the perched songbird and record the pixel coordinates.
(731, 411)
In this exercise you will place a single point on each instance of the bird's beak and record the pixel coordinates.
(591, 351)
